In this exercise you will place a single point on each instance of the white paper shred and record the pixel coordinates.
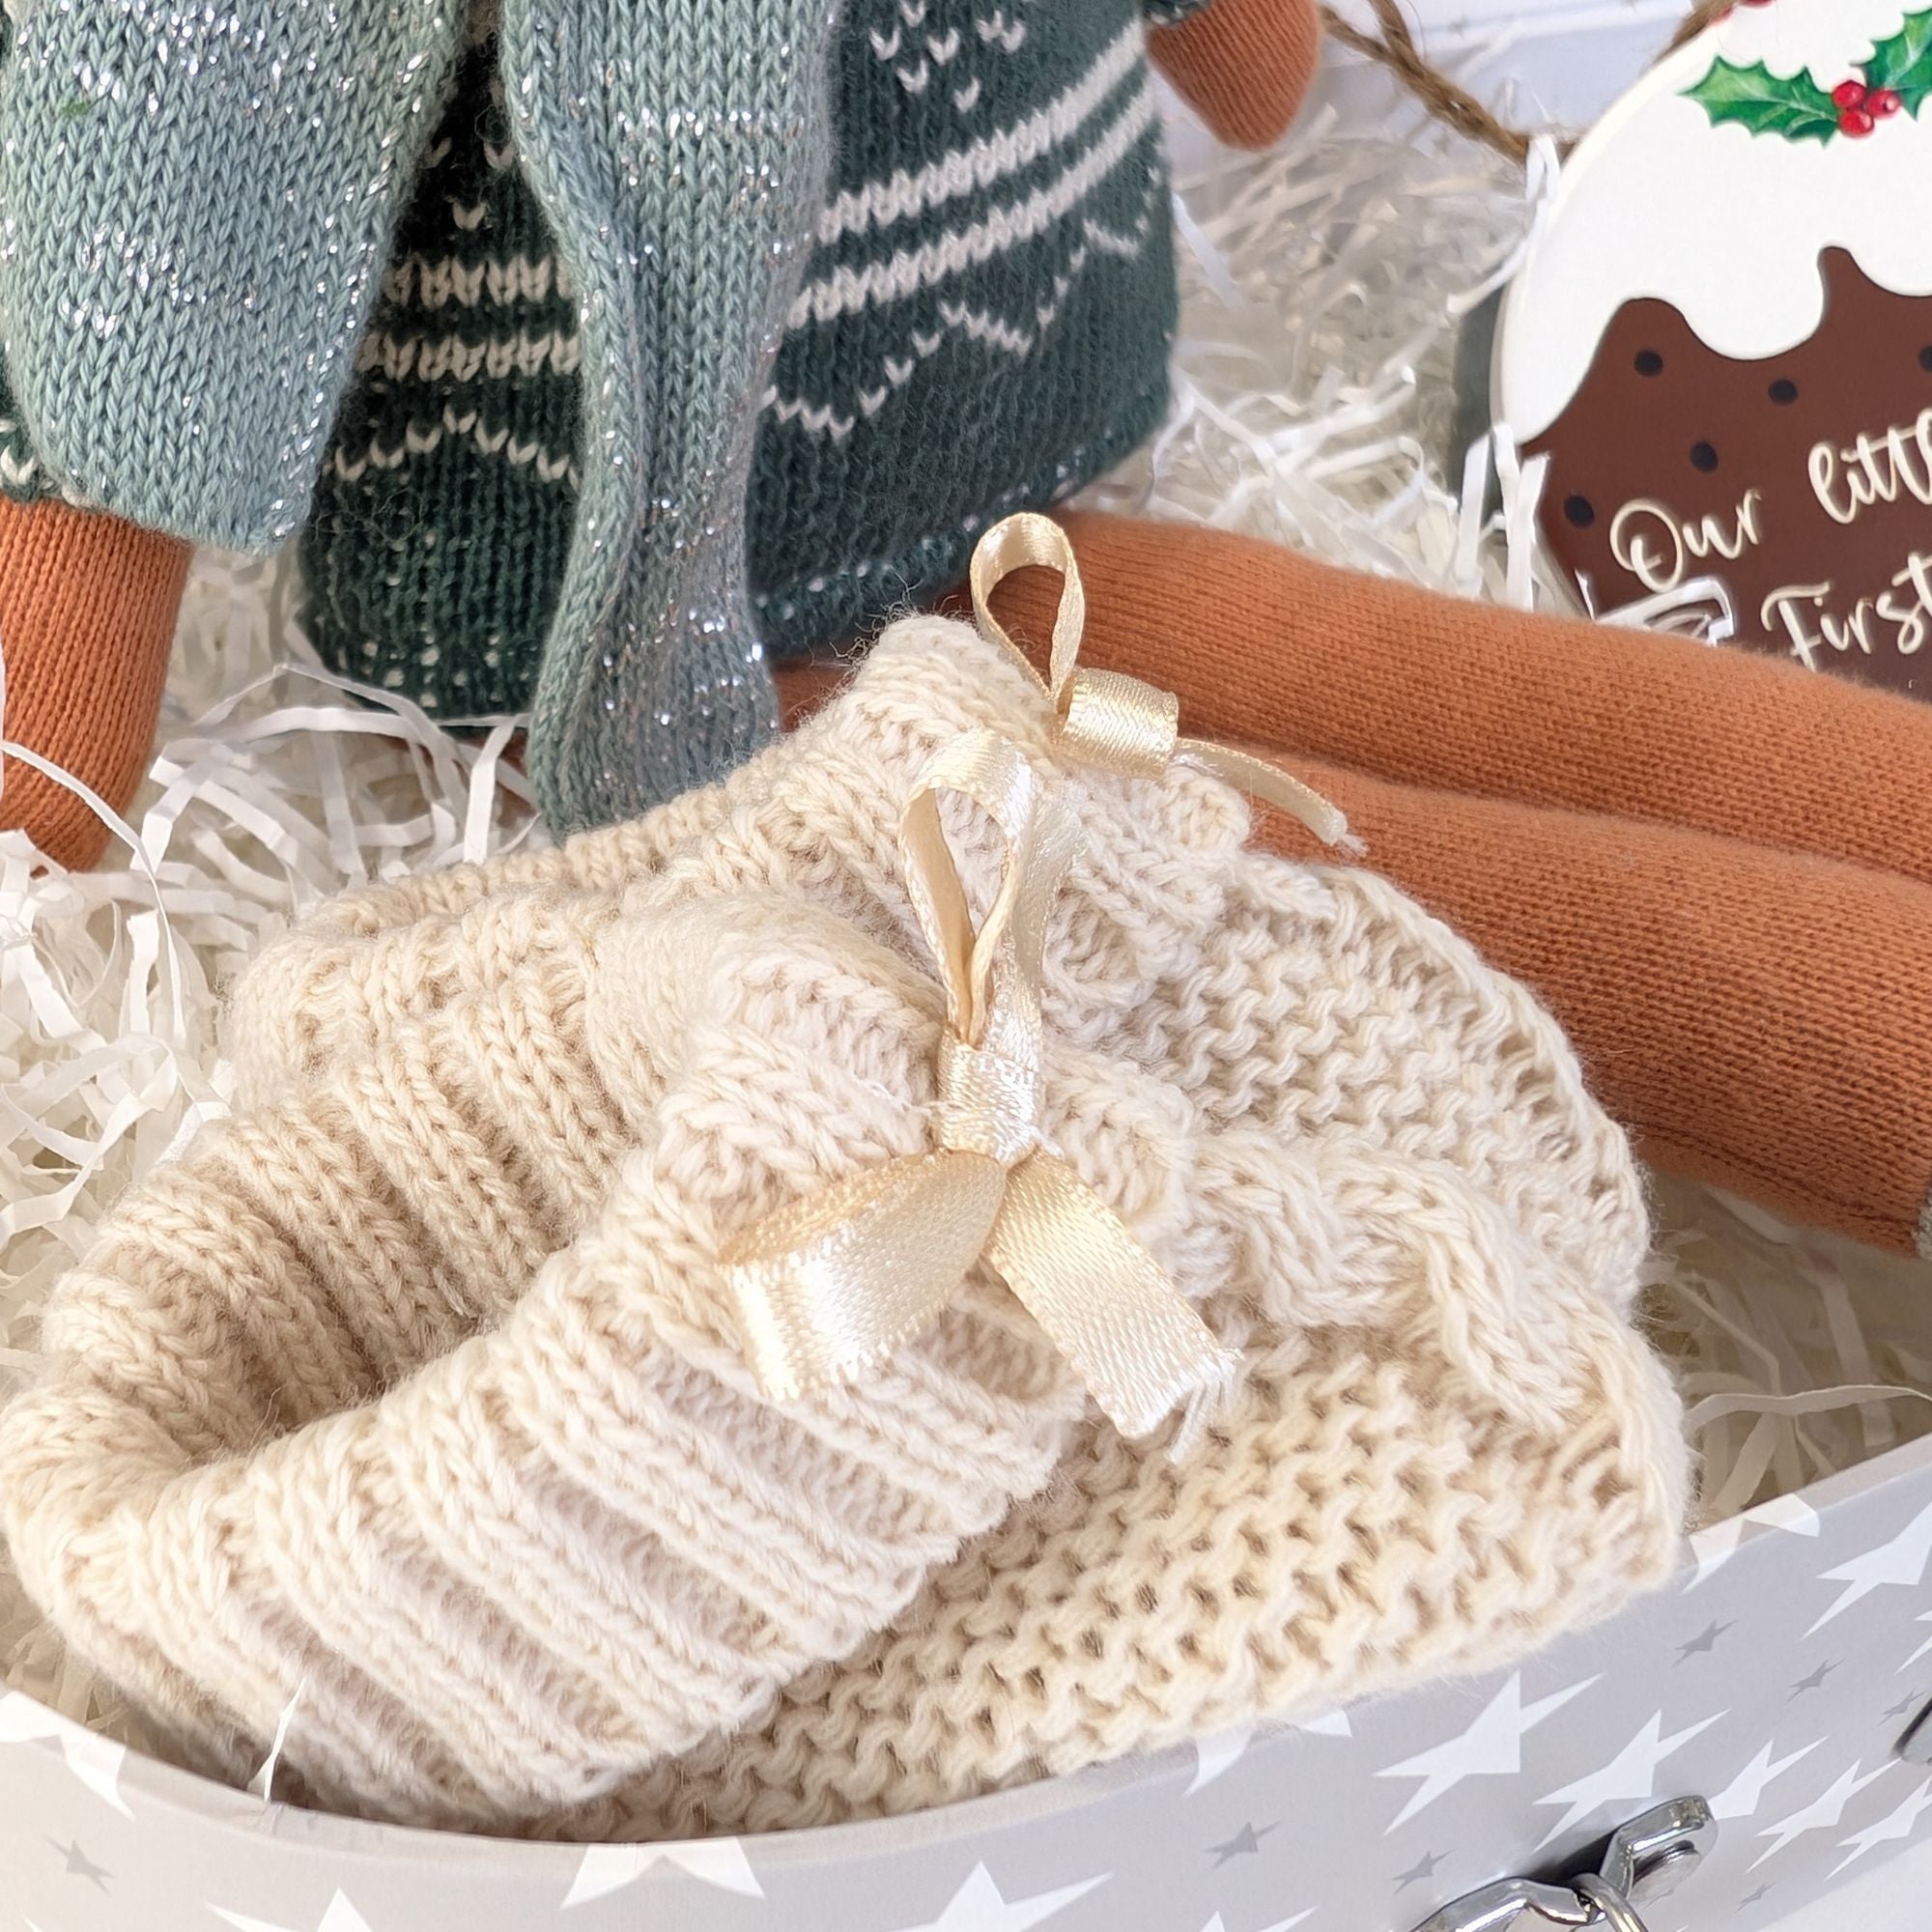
(1325, 287)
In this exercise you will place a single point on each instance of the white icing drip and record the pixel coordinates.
(1725, 225)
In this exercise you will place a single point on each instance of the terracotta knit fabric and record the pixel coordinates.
(1270, 647)
(1760, 1019)
(1244, 65)
(1406, 1149)
(87, 618)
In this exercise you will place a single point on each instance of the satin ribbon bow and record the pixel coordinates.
(831, 1284)
(1106, 717)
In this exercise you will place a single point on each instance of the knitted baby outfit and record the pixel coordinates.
(991, 279)
(1450, 1445)
(185, 372)
(570, 374)
(701, 137)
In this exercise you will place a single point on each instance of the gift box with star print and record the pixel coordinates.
(1780, 1676)
(1783, 1675)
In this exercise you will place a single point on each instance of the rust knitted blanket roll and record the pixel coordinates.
(1270, 647)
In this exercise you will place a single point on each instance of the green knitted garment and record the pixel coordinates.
(194, 202)
(983, 325)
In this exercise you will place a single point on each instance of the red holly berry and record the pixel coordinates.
(1881, 101)
(1848, 94)
(1854, 121)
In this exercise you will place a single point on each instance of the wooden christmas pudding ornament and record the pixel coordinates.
(1722, 340)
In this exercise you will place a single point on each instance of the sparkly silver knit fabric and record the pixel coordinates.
(680, 150)
(195, 203)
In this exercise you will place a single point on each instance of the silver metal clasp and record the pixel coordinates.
(1644, 1860)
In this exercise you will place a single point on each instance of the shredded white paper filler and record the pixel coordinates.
(1325, 289)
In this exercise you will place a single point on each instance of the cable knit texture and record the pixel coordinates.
(1368, 1156)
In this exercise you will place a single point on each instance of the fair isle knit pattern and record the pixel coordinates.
(988, 318)
(194, 206)
(1451, 1446)
(983, 325)
(435, 548)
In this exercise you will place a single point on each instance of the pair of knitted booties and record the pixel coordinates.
(605, 379)
(676, 1334)
(1716, 870)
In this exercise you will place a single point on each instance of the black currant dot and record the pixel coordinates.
(1925, 359)
(1703, 457)
(1648, 362)
(1783, 391)
(1580, 511)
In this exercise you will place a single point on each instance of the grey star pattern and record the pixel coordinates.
(1704, 1643)
(1815, 1681)
(80, 1866)
(1245, 1841)
(1423, 1868)
(1804, 1786)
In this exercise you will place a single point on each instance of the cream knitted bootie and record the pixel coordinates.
(1451, 1446)
(413, 1395)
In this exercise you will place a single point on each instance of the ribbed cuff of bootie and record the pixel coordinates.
(417, 1395)
(338, 1419)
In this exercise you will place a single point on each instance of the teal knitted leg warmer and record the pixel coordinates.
(198, 202)
(680, 149)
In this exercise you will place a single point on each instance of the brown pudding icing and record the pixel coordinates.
(1802, 481)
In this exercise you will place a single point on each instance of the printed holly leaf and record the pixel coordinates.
(1757, 100)
(1904, 63)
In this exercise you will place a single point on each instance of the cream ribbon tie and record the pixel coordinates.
(827, 1286)
(1107, 718)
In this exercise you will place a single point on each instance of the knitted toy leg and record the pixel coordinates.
(1268, 646)
(87, 616)
(199, 203)
(680, 151)
(1242, 65)
(1758, 1019)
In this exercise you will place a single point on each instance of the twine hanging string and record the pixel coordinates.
(1393, 48)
